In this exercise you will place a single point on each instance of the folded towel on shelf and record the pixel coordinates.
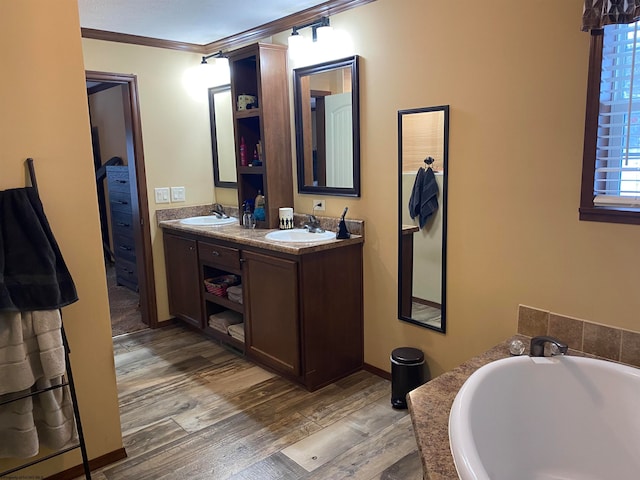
(237, 331)
(234, 293)
(222, 320)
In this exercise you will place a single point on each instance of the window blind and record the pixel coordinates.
(617, 173)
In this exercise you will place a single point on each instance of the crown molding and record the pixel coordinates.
(328, 8)
(139, 40)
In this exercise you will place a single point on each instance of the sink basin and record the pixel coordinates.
(541, 418)
(300, 235)
(208, 221)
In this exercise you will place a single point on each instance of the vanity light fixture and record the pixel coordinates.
(214, 73)
(218, 54)
(320, 30)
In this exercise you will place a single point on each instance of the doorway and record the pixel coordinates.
(124, 208)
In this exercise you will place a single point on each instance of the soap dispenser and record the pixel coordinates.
(248, 219)
(343, 232)
(259, 212)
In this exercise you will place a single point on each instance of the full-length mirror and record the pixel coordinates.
(326, 102)
(222, 144)
(423, 138)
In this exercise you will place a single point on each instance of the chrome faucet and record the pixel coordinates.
(536, 348)
(218, 211)
(313, 225)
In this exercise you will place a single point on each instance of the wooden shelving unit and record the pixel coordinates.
(261, 70)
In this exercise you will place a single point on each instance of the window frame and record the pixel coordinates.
(588, 211)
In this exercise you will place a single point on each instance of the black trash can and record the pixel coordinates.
(407, 373)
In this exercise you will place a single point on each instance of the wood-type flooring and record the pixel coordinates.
(191, 409)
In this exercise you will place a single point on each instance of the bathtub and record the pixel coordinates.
(546, 418)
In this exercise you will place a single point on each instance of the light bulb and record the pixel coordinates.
(324, 34)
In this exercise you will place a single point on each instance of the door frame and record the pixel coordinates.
(139, 198)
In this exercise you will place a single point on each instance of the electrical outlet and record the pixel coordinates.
(178, 194)
(318, 205)
(162, 195)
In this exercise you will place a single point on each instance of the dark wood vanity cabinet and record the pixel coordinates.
(303, 314)
(183, 278)
(273, 330)
(216, 260)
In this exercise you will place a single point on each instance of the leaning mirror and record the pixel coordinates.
(326, 103)
(222, 144)
(423, 137)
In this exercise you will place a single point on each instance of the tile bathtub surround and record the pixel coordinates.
(630, 351)
(592, 338)
(532, 322)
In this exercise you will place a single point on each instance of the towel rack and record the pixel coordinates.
(69, 382)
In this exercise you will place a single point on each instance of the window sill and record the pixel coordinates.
(629, 215)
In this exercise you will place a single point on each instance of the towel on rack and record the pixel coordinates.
(44, 419)
(32, 358)
(30, 348)
(18, 434)
(33, 274)
(424, 196)
(53, 414)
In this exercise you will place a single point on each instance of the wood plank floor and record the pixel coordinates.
(191, 409)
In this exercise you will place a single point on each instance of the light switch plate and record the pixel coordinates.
(162, 195)
(178, 194)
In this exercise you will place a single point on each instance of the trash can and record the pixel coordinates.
(407, 373)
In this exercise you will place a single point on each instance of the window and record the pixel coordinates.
(611, 163)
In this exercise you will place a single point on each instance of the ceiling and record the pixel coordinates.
(198, 22)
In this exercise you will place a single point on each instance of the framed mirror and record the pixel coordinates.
(223, 148)
(423, 142)
(327, 116)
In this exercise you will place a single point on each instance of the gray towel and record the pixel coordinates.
(424, 196)
(33, 275)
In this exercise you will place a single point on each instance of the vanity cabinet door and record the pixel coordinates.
(183, 279)
(271, 323)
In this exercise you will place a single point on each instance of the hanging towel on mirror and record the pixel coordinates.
(424, 196)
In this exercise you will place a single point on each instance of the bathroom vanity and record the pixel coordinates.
(301, 303)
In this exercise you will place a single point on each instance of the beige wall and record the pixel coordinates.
(44, 115)
(514, 235)
(175, 129)
(107, 115)
(515, 78)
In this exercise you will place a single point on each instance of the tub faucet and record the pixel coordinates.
(218, 211)
(537, 345)
(313, 225)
